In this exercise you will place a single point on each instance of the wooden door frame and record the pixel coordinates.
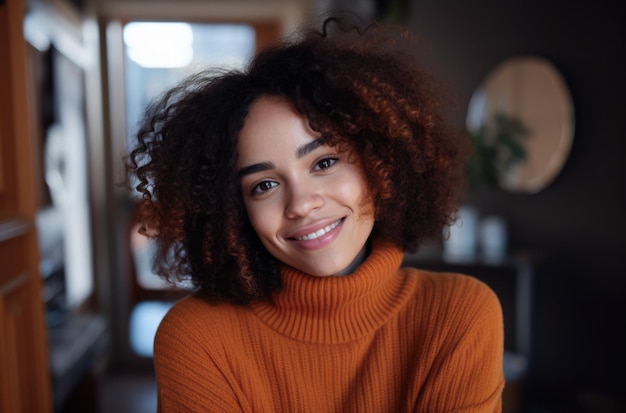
(24, 376)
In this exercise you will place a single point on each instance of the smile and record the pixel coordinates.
(319, 232)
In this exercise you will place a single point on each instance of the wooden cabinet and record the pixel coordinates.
(24, 373)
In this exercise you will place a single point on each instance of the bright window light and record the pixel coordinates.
(159, 45)
(144, 322)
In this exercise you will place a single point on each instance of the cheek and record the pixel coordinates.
(261, 218)
(367, 211)
(358, 192)
(358, 186)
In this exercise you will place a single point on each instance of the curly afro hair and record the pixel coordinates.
(357, 87)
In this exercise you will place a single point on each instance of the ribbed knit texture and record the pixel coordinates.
(380, 340)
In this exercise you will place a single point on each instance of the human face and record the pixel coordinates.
(307, 202)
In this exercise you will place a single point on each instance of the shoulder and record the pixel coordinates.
(196, 320)
(450, 285)
(192, 306)
(455, 296)
(189, 310)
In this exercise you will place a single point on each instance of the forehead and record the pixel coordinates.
(272, 126)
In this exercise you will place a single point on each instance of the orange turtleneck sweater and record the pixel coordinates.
(383, 339)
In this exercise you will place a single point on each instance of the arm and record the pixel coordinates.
(190, 371)
(467, 375)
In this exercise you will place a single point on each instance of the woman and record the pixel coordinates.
(287, 194)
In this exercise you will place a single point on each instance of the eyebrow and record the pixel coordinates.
(266, 166)
(309, 147)
(252, 169)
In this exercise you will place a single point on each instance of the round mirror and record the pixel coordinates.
(522, 120)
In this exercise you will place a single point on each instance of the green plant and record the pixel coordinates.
(496, 147)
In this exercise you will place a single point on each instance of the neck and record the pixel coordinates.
(356, 262)
(337, 309)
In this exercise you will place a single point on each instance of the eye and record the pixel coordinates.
(325, 163)
(263, 187)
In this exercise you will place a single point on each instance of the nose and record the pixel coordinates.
(302, 200)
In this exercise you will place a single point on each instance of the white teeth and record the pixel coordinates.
(319, 232)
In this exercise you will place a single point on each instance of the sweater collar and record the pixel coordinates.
(337, 309)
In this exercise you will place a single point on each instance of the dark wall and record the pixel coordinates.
(577, 223)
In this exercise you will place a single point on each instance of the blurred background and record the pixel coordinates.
(532, 83)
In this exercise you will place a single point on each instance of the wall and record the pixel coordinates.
(577, 223)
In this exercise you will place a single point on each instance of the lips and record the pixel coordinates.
(309, 238)
(319, 232)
